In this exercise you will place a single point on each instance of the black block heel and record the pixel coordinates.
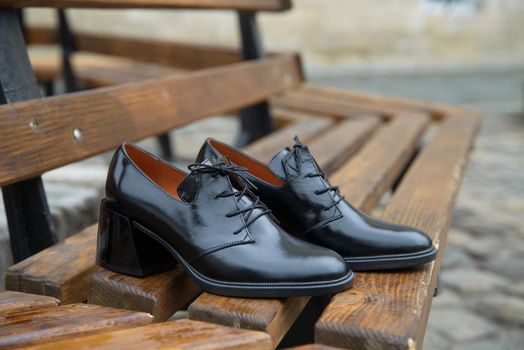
(124, 247)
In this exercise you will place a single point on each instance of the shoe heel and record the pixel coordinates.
(123, 247)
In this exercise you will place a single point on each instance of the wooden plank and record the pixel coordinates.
(38, 135)
(272, 316)
(276, 316)
(333, 147)
(162, 52)
(293, 99)
(61, 271)
(94, 70)
(179, 334)
(166, 53)
(307, 128)
(159, 295)
(37, 326)
(382, 159)
(312, 347)
(436, 110)
(390, 310)
(15, 301)
(245, 5)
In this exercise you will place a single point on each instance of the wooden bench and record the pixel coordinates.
(366, 143)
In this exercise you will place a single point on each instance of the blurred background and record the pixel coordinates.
(465, 52)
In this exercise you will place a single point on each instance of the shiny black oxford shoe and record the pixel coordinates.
(308, 206)
(155, 216)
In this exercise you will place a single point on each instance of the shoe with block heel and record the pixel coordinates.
(297, 191)
(155, 216)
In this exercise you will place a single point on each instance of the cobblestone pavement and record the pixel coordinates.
(481, 300)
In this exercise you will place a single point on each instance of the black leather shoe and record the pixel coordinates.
(309, 207)
(155, 216)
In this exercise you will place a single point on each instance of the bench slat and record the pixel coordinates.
(30, 327)
(382, 159)
(15, 301)
(333, 147)
(161, 52)
(348, 97)
(390, 310)
(41, 138)
(307, 127)
(161, 294)
(61, 271)
(296, 100)
(179, 334)
(95, 70)
(276, 316)
(247, 5)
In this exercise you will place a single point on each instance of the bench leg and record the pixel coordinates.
(27, 211)
(255, 121)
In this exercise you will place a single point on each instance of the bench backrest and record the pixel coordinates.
(42, 134)
(167, 53)
(244, 5)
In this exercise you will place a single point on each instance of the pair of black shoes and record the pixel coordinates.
(243, 228)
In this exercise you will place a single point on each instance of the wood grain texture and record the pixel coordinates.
(95, 70)
(276, 316)
(179, 335)
(160, 294)
(161, 52)
(37, 134)
(381, 160)
(334, 146)
(31, 327)
(294, 99)
(16, 301)
(61, 271)
(273, 316)
(165, 53)
(312, 347)
(307, 128)
(390, 310)
(247, 5)
(348, 97)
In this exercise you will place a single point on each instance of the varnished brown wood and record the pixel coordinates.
(390, 310)
(40, 138)
(246, 5)
(61, 271)
(348, 97)
(160, 295)
(381, 160)
(276, 316)
(179, 335)
(273, 316)
(16, 301)
(164, 53)
(94, 70)
(295, 100)
(37, 326)
(334, 146)
(312, 347)
(307, 128)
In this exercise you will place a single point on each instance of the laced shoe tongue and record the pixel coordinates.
(187, 189)
(276, 165)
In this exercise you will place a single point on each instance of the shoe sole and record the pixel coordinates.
(391, 262)
(241, 289)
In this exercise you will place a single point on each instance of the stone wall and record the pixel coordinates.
(341, 32)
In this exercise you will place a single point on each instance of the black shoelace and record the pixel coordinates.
(221, 169)
(298, 147)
